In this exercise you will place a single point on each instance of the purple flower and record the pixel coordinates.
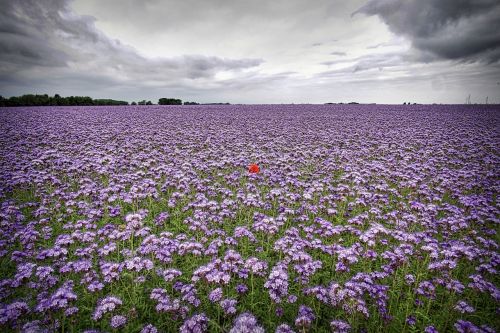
(431, 329)
(246, 323)
(149, 328)
(410, 279)
(229, 306)
(165, 304)
(35, 326)
(189, 294)
(105, 305)
(169, 274)
(118, 321)
(241, 288)
(138, 264)
(411, 320)
(305, 318)
(70, 311)
(134, 221)
(277, 283)
(12, 312)
(215, 295)
(463, 307)
(463, 326)
(339, 326)
(284, 328)
(59, 300)
(256, 266)
(198, 323)
(162, 218)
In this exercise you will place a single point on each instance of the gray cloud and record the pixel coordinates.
(466, 30)
(49, 37)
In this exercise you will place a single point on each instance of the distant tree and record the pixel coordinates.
(169, 101)
(133, 103)
(109, 102)
(149, 103)
(143, 102)
(191, 103)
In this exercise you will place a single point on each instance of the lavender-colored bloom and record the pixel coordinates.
(162, 218)
(284, 328)
(427, 289)
(463, 307)
(339, 326)
(138, 264)
(229, 306)
(487, 329)
(189, 293)
(430, 329)
(241, 288)
(12, 312)
(215, 295)
(165, 303)
(246, 323)
(198, 323)
(411, 320)
(35, 326)
(169, 274)
(149, 328)
(71, 311)
(105, 305)
(118, 321)
(279, 311)
(60, 299)
(410, 279)
(256, 266)
(305, 318)
(277, 283)
(134, 221)
(463, 326)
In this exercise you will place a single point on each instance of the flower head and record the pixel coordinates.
(253, 168)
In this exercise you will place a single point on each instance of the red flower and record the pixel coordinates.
(253, 168)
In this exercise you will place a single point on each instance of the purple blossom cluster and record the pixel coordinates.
(198, 323)
(277, 282)
(246, 323)
(125, 216)
(106, 305)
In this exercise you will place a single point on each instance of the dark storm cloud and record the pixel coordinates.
(466, 30)
(48, 37)
(24, 44)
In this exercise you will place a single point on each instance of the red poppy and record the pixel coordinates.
(253, 168)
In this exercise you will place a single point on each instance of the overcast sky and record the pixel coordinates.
(253, 51)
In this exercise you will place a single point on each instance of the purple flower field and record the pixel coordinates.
(365, 218)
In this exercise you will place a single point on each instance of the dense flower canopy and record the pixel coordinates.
(146, 219)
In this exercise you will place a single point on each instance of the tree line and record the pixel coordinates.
(56, 100)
